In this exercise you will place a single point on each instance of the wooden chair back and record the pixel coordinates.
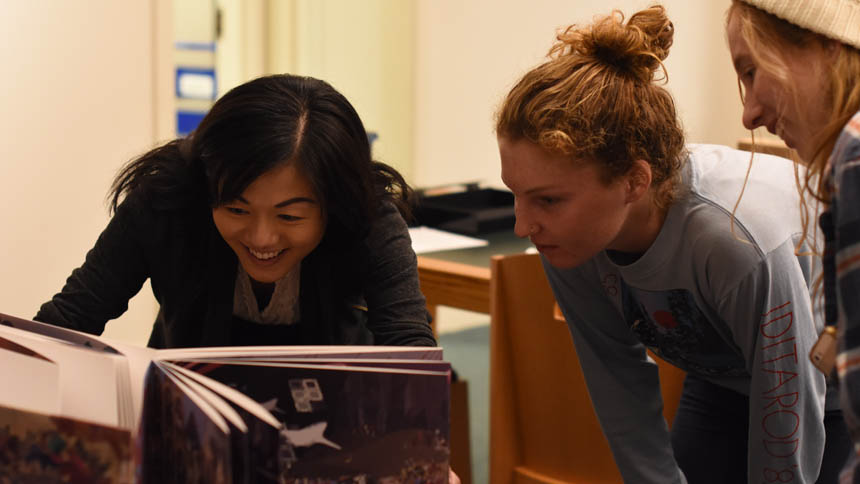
(543, 429)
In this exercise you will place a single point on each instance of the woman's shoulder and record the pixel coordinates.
(712, 238)
(145, 202)
(741, 197)
(385, 239)
(388, 211)
(140, 213)
(387, 224)
(387, 242)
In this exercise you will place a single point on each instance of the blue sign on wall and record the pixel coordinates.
(186, 121)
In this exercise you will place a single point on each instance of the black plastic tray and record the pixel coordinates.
(475, 211)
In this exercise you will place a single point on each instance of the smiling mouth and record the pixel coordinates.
(263, 256)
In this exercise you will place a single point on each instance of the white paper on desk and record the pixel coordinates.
(428, 239)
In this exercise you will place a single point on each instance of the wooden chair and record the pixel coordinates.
(766, 145)
(542, 426)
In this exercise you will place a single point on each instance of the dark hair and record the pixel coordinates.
(258, 126)
(596, 99)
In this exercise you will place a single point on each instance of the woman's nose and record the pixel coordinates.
(521, 225)
(753, 112)
(262, 234)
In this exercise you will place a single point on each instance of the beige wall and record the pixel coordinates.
(469, 53)
(428, 74)
(78, 98)
(365, 49)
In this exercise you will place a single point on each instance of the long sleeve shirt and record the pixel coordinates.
(730, 305)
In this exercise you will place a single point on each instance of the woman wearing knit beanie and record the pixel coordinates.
(798, 63)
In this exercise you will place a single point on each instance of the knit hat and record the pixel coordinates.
(836, 19)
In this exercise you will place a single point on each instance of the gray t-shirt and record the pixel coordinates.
(733, 308)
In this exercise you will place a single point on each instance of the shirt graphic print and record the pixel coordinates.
(671, 325)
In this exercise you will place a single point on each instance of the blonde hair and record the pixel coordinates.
(597, 99)
(766, 36)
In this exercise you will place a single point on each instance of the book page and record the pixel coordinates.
(32, 382)
(393, 364)
(395, 352)
(129, 370)
(255, 434)
(212, 400)
(411, 367)
(87, 382)
(229, 393)
(57, 332)
(138, 359)
(182, 438)
(351, 422)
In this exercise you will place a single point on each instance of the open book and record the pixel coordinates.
(79, 408)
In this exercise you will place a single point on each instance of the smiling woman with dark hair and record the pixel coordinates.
(269, 224)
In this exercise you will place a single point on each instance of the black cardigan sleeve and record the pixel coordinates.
(397, 310)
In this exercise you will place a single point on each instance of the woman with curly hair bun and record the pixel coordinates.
(644, 248)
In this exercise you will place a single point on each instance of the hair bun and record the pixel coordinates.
(637, 47)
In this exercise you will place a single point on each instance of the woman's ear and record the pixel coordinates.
(638, 180)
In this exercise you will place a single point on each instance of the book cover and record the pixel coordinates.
(37, 448)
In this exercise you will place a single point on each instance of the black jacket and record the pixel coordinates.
(367, 293)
